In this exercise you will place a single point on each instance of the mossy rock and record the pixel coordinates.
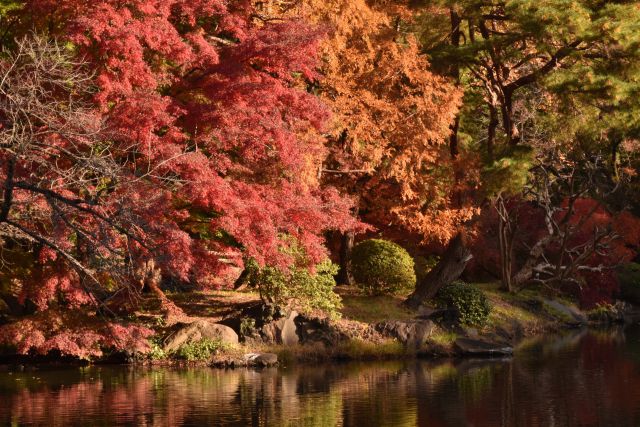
(381, 267)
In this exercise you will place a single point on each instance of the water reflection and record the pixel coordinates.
(582, 379)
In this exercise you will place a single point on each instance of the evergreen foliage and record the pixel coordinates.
(470, 304)
(382, 267)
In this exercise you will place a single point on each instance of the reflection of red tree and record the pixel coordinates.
(128, 399)
(591, 384)
(587, 382)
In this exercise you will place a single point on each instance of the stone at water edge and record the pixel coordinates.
(198, 330)
(471, 332)
(261, 359)
(571, 312)
(411, 333)
(482, 348)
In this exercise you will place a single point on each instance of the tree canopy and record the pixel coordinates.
(167, 143)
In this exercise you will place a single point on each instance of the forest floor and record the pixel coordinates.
(358, 307)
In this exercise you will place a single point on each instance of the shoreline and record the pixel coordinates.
(306, 354)
(375, 331)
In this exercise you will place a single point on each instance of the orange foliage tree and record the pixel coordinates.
(391, 116)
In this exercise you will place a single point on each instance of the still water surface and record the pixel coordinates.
(582, 379)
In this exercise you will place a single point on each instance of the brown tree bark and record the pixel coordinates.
(456, 36)
(510, 126)
(346, 247)
(506, 235)
(150, 277)
(450, 267)
(491, 131)
(615, 147)
(453, 139)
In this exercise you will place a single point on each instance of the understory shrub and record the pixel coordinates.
(308, 291)
(629, 279)
(470, 304)
(381, 267)
(200, 350)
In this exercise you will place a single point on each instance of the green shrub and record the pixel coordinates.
(305, 290)
(157, 352)
(247, 326)
(602, 313)
(200, 350)
(382, 267)
(470, 304)
(629, 279)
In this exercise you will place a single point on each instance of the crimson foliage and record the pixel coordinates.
(214, 144)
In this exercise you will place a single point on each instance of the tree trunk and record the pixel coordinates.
(615, 146)
(450, 267)
(7, 195)
(507, 119)
(150, 281)
(491, 132)
(454, 149)
(527, 271)
(456, 35)
(505, 256)
(346, 246)
(506, 234)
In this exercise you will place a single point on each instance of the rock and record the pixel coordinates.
(572, 313)
(288, 335)
(475, 347)
(425, 312)
(198, 330)
(318, 330)
(508, 335)
(281, 331)
(471, 332)
(261, 359)
(413, 333)
(269, 324)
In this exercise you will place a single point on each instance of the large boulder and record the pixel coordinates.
(265, 323)
(412, 333)
(198, 330)
(318, 330)
(571, 313)
(281, 331)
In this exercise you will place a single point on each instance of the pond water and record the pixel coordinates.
(587, 378)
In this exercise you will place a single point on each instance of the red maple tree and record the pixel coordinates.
(212, 143)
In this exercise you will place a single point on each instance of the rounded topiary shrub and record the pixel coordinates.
(629, 279)
(382, 267)
(470, 304)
